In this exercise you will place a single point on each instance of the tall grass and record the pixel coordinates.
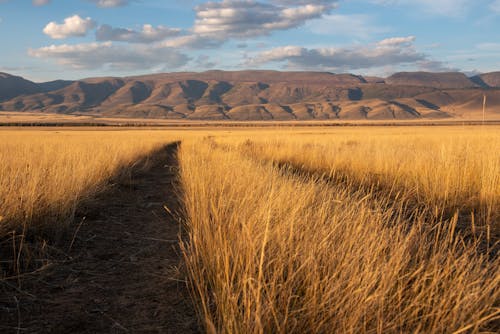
(45, 175)
(273, 251)
(442, 170)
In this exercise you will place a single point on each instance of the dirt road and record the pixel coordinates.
(122, 272)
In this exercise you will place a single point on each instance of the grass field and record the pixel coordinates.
(46, 175)
(385, 230)
(343, 229)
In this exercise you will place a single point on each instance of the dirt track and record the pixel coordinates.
(121, 274)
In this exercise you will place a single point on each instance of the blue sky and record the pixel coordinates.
(61, 39)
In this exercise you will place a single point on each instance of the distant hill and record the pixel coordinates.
(258, 95)
(53, 85)
(437, 80)
(487, 79)
(12, 86)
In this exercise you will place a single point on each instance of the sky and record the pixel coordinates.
(44, 40)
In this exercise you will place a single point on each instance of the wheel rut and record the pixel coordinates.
(123, 273)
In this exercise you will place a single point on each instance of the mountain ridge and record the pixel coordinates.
(259, 95)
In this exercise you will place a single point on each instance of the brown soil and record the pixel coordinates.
(123, 273)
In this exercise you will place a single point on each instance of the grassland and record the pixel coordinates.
(46, 175)
(343, 229)
(331, 232)
(441, 171)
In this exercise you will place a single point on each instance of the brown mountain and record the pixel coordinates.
(12, 86)
(427, 79)
(260, 95)
(488, 79)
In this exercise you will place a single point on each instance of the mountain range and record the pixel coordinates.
(260, 95)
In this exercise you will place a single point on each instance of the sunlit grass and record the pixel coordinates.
(344, 230)
(273, 250)
(45, 175)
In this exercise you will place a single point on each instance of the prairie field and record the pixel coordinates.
(45, 175)
(288, 230)
(379, 230)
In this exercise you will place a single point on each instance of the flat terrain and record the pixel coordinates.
(121, 274)
(29, 119)
(249, 228)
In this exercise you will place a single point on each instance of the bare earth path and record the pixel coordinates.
(121, 276)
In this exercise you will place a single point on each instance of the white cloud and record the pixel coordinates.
(217, 22)
(396, 41)
(391, 51)
(40, 2)
(148, 34)
(356, 25)
(109, 55)
(193, 42)
(72, 26)
(238, 18)
(109, 3)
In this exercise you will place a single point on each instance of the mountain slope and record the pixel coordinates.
(261, 95)
(12, 86)
(488, 79)
(451, 80)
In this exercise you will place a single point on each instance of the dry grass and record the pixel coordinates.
(271, 250)
(45, 175)
(317, 230)
(440, 170)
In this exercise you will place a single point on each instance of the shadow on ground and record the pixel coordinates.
(122, 273)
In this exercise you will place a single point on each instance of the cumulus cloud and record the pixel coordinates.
(391, 51)
(238, 18)
(40, 2)
(108, 55)
(73, 26)
(148, 34)
(109, 3)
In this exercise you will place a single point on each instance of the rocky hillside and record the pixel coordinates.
(257, 95)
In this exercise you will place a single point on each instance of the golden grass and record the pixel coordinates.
(300, 230)
(271, 250)
(441, 170)
(45, 175)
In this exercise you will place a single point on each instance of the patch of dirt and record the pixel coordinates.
(122, 272)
